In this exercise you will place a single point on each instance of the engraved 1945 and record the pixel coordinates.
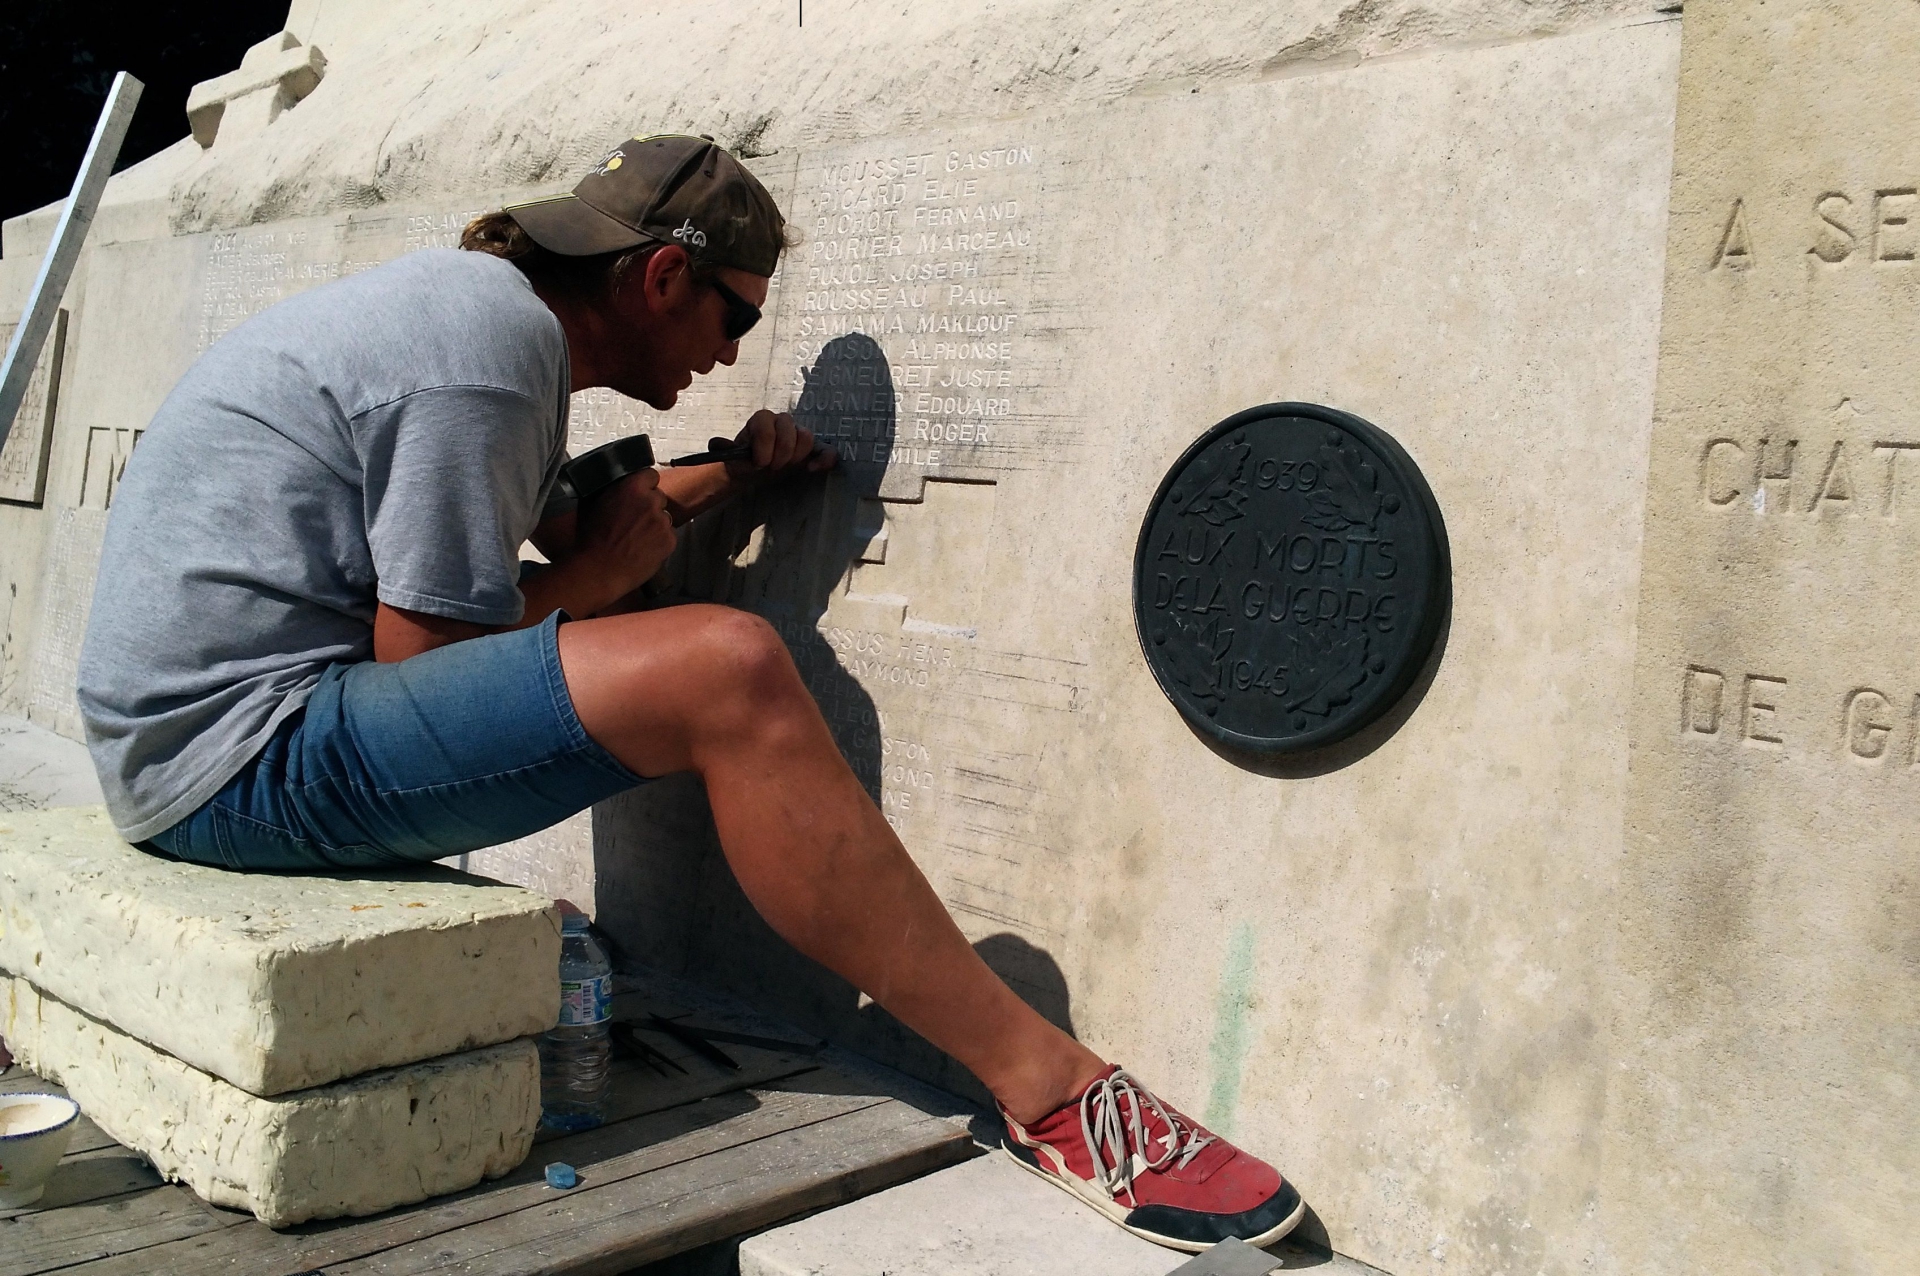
(1291, 578)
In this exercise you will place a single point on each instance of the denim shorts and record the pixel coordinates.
(469, 745)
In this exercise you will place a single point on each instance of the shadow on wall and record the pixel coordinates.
(664, 893)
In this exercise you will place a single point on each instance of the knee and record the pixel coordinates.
(742, 664)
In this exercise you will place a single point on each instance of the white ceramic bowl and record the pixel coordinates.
(34, 1132)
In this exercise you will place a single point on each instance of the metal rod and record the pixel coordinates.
(56, 268)
(759, 1043)
(695, 1042)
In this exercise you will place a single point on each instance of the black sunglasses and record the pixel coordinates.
(741, 313)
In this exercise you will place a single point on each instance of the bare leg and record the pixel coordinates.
(713, 690)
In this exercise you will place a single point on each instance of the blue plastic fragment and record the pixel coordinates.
(561, 1175)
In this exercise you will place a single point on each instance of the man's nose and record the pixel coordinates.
(728, 353)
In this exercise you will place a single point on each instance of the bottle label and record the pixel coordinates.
(586, 1001)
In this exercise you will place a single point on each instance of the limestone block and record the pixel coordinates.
(273, 75)
(272, 982)
(453, 97)
(355, 1147)
(39, 769)
(1761, 1112)
(987, 1216)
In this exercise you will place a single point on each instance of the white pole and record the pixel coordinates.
(68, 234)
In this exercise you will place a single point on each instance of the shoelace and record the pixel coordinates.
(1110, 1121)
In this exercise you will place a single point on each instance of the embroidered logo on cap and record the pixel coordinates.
(688, 235)
(612, 162)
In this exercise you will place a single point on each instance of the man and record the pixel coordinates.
(311, 647)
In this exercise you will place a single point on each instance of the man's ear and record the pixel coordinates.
(669, 271)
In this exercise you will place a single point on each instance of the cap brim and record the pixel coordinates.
(571, 227)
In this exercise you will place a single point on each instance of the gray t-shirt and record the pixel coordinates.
(390, 436)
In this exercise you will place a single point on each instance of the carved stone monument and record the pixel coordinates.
(1768, 1017)
(1498, 992)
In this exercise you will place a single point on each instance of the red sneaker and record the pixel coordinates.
(1154, 1171)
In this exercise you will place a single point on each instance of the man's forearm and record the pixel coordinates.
(694, 490)
(576, 586)
(579, 585)
(690, 492)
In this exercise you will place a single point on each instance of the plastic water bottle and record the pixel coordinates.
(575, 1054)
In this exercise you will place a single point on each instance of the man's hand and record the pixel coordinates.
(619, 537)
(780, 448)
(780, 445)
(625, 532)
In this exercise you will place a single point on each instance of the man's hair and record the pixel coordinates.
(581, 279)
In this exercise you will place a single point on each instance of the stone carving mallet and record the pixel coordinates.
(589, 472)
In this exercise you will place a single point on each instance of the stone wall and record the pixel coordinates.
(1438, 977)
(1383, 974)
(1768, 922)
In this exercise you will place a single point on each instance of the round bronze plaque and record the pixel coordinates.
(1291, 578)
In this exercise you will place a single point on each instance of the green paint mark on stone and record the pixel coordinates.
(1231, 1035)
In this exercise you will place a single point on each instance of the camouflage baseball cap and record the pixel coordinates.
(665, 189)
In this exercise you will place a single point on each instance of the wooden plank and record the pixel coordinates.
(17, 1078)
(82, 1177)
(88, 1137)
(604, 1156)
(59, 1238)
(63, 253)
(609, 1229)
(638, 1090)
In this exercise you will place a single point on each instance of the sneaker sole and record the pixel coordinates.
(1113, 1212)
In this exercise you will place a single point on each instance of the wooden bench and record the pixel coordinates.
(686, 1159)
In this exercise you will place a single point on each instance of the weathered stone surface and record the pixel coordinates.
(273, 983)
(273, 76)
(988, 1217)
(39, 769)
(476, 97)
(556, 862)
(1769, 916)
(23, 458)
(355, 1147)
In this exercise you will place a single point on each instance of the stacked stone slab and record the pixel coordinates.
(301, 1047)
